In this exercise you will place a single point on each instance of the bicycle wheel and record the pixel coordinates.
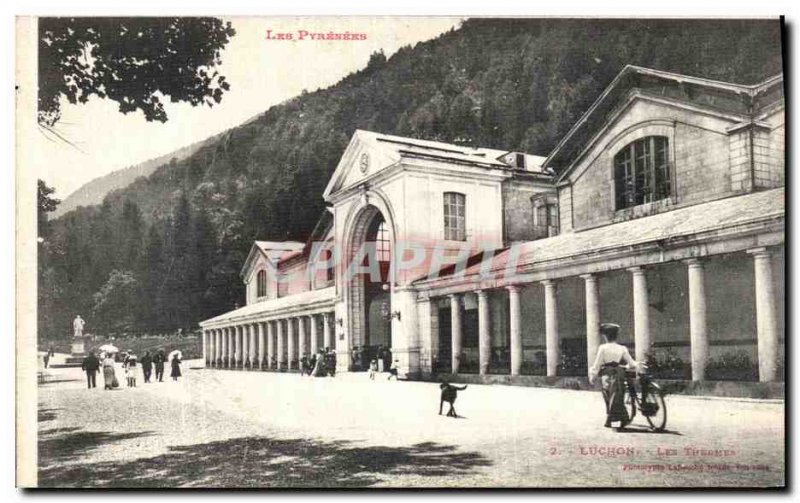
(630, 404)
(655, 406)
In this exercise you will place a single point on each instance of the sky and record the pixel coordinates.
(261, 72)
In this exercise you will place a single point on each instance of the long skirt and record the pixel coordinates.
(319, 368)
(614, 381)
(108, 375)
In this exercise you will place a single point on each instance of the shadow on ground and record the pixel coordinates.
(249, 462)
(57, 381)
(45, 415)
(70, 445)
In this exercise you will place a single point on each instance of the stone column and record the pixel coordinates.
(515, 329)
(237, 346)
(289, 343)
(301, 338)
(232, 359)
(281, 351)
(223, 346)
(456, 331)
(313, 326)
(270, 343)
(767, 323)
(261, 349)
(240, 346)
(592, 318)
(484, 334)
(641, 314)
(698, 330)
(215, 347)
(327, 331)
(233, 347)
(552, 338)
(205, 347)
(218, 346)
(210, 354)
(253, 347)
(246, 331)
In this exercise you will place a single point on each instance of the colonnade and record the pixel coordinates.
(275, 344)
(766, 300)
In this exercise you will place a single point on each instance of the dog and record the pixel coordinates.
(449, 395)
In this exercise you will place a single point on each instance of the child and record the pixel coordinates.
(373, 367)
(130, 371)
(393, 370)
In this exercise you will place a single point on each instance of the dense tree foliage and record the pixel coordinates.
(135, 61)
(507, 84)
(46, 204)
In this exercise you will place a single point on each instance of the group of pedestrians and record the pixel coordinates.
(130, 366)
(319, 364)
(376, 361)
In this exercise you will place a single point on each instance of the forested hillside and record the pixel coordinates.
(165, 252)
(94, 191)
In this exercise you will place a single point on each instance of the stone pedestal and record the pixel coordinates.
(78, 347)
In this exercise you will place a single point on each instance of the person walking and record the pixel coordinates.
(330, 363)
(373, 368)
(108, 372)
(158, 360)
(319, 364)
(131, 369)
(147, 366)
(90, 365)
(611, 362)
(381, 356)
(50, 354)
(393, 370)
(176, 367)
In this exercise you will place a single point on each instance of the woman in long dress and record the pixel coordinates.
(176, 367)
(108, 372)
(612, 360)
(319, 365)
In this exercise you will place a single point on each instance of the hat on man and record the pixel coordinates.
(610, 330)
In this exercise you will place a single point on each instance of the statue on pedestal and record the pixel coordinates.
(77, 326)
(77, 337)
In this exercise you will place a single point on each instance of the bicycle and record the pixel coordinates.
(649, 399)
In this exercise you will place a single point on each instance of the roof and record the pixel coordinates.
(277, 249)
(736, 100)
(670, 225)
(411, 147)
(393, 149)
(284, 306)
(274, 251)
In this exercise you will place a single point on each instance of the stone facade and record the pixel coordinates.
(498, 300)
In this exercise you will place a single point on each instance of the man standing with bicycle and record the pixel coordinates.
(612, 360)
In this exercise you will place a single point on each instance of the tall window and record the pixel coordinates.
(261, 283)
(327, 254)
(382, 248)
(379, 234)
(545, 216)
(454, 216)
(642, 172)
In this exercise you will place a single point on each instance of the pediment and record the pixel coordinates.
(640, 111)
(363, 158)
(256, 259)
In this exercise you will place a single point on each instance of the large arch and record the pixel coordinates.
(355, 291)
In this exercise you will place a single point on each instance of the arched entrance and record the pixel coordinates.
(370, 288)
